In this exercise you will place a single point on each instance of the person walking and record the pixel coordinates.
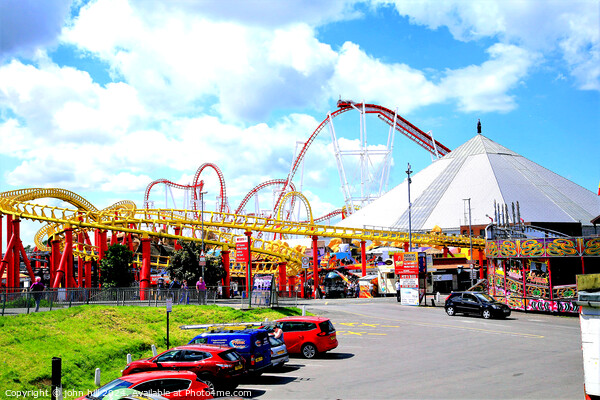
(201, 289)
(184, 293)
(174, 289)
(37, 289)
(160, 285)
(397, 290)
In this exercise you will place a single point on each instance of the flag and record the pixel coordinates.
(599, 189)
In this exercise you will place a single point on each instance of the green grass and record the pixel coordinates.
(90, 337)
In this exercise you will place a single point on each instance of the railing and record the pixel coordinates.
(21, 300)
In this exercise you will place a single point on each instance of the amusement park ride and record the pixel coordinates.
(68, 230)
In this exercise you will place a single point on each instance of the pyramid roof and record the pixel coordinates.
(485, 172)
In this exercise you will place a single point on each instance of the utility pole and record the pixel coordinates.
(408, 172)
(470, 241)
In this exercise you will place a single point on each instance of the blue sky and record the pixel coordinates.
(103, 97)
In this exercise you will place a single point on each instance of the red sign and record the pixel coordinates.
(241, 249)
(406, 263)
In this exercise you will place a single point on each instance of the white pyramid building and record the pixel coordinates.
(483, 171)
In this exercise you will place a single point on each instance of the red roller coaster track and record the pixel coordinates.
(385, 114)
(171, 184)
(263, 185)
(222, 193)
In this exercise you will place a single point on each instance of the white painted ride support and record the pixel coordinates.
(589, 319)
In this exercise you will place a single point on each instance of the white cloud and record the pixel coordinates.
(485, 87)
(570, 27)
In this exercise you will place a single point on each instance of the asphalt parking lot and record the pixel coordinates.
(388, 350)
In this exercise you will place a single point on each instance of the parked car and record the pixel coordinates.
(475, 303)
(308, 335)
(217, 366)
(252, 344)
(279, 353)
(183, 385)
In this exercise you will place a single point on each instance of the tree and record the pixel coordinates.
(115, 267)
(185, 265)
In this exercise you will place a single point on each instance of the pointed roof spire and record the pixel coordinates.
(478, 126)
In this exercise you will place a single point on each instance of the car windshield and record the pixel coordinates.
(230, 355)
(326, 326)
(485, 297)
(108, 388)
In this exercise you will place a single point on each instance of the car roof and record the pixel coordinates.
(203, 347)
(149, 375)
(305, 318)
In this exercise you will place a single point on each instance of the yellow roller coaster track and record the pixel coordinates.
(150, 222)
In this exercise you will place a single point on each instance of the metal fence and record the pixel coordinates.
(21, 300)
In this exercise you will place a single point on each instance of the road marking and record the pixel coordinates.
(389, 326)
(526, 335)
(371, 325)
(348, 323)
(355, 333)
(379, 334)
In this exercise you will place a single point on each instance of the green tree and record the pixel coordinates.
(185, 265)
(115, 267)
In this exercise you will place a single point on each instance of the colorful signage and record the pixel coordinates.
(241, 249)
(544, 247)
(406, 263)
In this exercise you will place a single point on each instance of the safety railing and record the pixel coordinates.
(23, 301)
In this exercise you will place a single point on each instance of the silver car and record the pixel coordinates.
(279, 354)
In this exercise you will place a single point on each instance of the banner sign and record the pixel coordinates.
(241, 249)
(544, 247)
(406, 263)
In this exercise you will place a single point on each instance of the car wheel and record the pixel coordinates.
(487, 314)
(450, 311)
(210, 382)
(309, 350)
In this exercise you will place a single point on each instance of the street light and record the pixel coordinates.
(470, 241)
(202, 227)
(408, 172)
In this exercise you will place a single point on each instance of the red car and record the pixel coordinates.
(217, 366)
(307, 335)
(183, 385)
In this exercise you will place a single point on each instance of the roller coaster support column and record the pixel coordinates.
(145, 275)
(177, 246)
(54, 257)
(80, 270)
(66, 262)
(315, 266)
(8, 255)
(249, 265)
(363, 257)
(1, 263)
(225, 261)
(282, 277)
(18, 252)
(302, 283)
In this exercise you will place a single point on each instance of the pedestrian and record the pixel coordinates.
(160, 284)
(201, 289)
(397, 290)
(174, 288)
(37, 289)
(184, 293)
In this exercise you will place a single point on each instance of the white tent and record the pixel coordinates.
(485, 172)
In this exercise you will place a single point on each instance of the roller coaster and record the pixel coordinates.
(68, 230)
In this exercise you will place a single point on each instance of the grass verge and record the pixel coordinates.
(90, 337)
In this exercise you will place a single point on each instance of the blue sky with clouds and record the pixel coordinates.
(103, 97)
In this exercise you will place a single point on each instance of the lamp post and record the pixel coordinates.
(408, 172)
(471, 262)
(202, 227)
